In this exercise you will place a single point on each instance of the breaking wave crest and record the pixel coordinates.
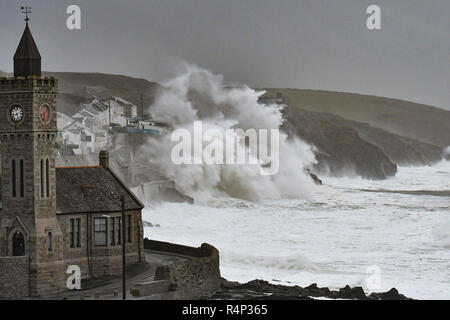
(297, 263)
(199, 95)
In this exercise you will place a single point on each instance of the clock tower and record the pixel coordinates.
(28, 222)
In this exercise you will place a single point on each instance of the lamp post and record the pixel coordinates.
(124, 257)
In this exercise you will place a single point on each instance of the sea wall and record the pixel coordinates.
(14, 281)
(159, 191)
(198, 275)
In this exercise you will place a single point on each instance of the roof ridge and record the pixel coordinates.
(131, 193)
(79, 167)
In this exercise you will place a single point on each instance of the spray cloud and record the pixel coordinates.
(199, 95)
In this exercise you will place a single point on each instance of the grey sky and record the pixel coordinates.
(315, 44)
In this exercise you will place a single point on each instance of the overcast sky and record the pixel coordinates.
(314, 44)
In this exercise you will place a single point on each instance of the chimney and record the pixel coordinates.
(103, 159)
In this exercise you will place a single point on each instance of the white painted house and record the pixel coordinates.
(121, 107)
(78, 137)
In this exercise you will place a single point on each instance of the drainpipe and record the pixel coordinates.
(88, 251)
(29, 278)
(139, 240)
(124, 250)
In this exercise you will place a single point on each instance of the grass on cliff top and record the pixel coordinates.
(422, 122)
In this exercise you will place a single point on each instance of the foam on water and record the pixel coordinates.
(331, 238)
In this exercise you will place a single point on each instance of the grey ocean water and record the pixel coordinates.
(338, 235)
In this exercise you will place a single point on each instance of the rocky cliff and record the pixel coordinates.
(340, 149)
(400, 150)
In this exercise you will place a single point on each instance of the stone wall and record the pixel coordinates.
(14, 284)
(196, 276)
(101, 261)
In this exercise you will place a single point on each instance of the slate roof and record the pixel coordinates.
(91, 189)
(27, 59)
(27, 48)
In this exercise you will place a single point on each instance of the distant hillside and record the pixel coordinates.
(408, 119)
(76, 87)
(400, 150)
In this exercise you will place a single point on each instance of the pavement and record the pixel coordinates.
(111, 288)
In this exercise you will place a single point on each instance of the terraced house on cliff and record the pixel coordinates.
(51, 217)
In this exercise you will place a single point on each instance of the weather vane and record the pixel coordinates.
(26, 10)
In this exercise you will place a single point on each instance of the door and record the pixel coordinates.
(18, 244)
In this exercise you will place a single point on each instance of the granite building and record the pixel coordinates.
(51, 218)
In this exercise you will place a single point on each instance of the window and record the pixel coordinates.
(18, 244)
(112, 229)
(42, 178)
(118, 230)
(74, 233)
(100, 231)
(22, 183)
(77, 233)
(47, 180)
(13, 178)
(71, 233)
(49, 241)
(129, 228)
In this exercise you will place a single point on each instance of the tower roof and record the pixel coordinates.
(27, 59)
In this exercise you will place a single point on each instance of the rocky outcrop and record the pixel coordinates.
(314, 177)
(340, 150)
(399, 149)
(263, 290)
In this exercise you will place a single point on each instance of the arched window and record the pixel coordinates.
(49, 241)
(47, 180)
(42, 178)
(13, 172)
(22, 182)
(18, 244)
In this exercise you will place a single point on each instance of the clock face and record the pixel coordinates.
(16, 114)
(45, 113)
